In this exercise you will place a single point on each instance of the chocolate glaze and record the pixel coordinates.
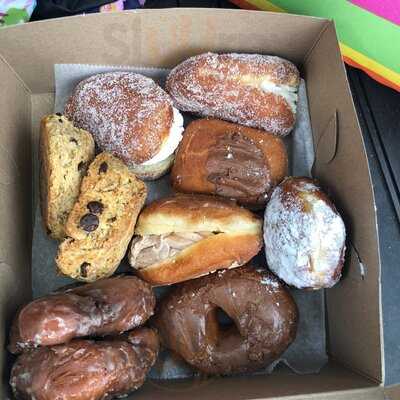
(263, 311)
(108, 306)
(238, 167)
(84, 369)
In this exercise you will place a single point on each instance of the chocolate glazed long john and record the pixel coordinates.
(84, 369)
(106, 307)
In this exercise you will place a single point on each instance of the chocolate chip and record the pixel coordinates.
(59, 114)
(73, 140)
(112, 219)
(95, 207)
(89, 222)
(48, 231)
(103, 167)
(84, 269)
(81, 166)
(60, 120)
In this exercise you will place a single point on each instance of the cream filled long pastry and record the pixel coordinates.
(255, 90)
(184, 237)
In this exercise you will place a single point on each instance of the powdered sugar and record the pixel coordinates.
(304, 248)
(136, 320)
(230, 87)
(126, 113)
(269, 281)
(25, 377)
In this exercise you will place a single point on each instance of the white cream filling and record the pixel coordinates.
(289, 93)
(174, 138)
(151, 249)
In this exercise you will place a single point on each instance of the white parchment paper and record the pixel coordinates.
(308, 352)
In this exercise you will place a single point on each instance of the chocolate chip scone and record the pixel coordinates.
(102, 221)
(65, 153)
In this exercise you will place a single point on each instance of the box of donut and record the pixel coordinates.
(189, 212)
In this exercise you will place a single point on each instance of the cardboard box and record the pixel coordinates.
(164, 38)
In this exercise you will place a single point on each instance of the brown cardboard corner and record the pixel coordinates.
(392, 392)
(326, 147)
(4, 61)
(324, 28)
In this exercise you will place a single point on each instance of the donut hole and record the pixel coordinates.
(224, 321)
(221, 328)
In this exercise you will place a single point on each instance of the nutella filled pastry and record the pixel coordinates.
(263, 321)
(304, 235)
(107, 307)
(184, 237)
(86, 369)
(230, 160)
(131, 117)
(249, 89)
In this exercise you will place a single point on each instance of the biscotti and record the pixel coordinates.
(102, 221)
(66, 152)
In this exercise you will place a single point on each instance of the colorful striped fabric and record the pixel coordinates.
(368, 30)
(15, 11)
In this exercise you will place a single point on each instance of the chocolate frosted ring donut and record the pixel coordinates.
(263, 312)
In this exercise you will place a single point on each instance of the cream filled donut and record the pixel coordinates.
(186, 236)
(130, 116)
(304, 235)
(254, 90)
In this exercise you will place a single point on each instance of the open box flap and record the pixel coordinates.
(159, 38)
(15, 199)
(341, 166)
(165, 37)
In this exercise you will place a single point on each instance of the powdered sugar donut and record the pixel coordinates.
(304, 235)
(250, 89)
(129, 116)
